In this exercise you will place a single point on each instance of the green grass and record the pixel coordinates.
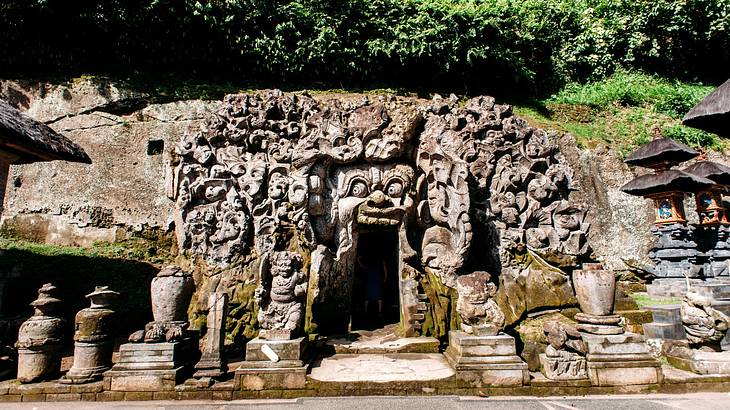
(622, 110)
(644, 300)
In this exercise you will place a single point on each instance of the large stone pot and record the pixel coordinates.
(171, 291)
(595, 289)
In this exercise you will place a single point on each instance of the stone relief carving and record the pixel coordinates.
(564, 357)
(480, 315)
(441, 174)
(704, 325)
(281, 295)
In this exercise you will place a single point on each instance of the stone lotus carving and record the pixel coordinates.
(564, 357)
(439, 173)
(480, 315)
(704, 325)
(280, 296)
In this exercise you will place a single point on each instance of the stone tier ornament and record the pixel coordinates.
(595, 290)
(40, 339)
(93, 342)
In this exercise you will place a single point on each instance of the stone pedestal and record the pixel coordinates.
(618, 360)
(273, 364)
(150, 366)
(484, 361)
(667, 324)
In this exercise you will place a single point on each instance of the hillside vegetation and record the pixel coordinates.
(464, 46)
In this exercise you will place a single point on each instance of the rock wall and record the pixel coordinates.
(130, 143)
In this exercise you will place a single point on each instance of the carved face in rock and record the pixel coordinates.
(375, 194)
(253, 178)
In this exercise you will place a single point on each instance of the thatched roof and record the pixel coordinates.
(661, 151)
(666, 181)
(33, 141)
(712, 114)
(718, 173)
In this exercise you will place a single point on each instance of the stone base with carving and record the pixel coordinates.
(568, 366)
(484, 361)
(151, 366)
(273, 364)
(619, 360)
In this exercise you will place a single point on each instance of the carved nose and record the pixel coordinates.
(376, 199)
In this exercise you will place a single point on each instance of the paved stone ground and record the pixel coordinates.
(695, 401)
(384, 341)
(382, 368)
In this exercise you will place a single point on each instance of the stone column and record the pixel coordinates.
(212, 363)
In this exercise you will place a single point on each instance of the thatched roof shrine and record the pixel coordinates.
(712, 114)
(33, 141)
(666, 181)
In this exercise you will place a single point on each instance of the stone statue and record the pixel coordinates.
(480, 315)
(40, 339)
(564, 357)
(280, 296)
(705, 326)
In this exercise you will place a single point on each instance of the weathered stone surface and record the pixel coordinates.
(698, 361)
(381, 368)
(40, 339)
(617, 360)
(486, 360)
(212, 362)
(285, 351)
(93, 338)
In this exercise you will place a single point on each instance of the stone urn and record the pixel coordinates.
(40, 339)
(171, 291)
(595, 289)
(93, 344)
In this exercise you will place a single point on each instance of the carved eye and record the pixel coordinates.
(395, 189)
(358, 189)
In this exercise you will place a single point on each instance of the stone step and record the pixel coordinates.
(668, 314)
(666, 331)
(386, 345)
(718, 291)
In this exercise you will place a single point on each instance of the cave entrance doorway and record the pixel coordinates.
(376, 293)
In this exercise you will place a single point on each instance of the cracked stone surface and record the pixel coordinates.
(382, 368)
(384, 341)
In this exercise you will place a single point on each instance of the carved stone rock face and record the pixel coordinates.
(374, 194)
(271, 171)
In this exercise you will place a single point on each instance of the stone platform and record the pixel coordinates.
(486, 360)
(273, 364)
(620, 360)
(382, 368)
(699, 362)
(150, 366)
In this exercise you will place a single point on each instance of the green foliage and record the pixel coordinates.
(622, 110)
(469, 45)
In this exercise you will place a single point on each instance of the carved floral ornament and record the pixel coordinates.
(272, 162)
